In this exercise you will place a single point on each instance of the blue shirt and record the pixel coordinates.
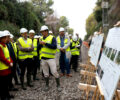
(62, 41)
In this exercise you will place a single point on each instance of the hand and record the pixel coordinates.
(61, 49)
(43, 43)
(11, 64)
(77, 46)
(30, 49)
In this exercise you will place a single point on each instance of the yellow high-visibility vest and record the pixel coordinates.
(65, 43)
(14, 48)
(25, 55)
(75, 51)
(7, 56)
(45, 51)
(35, 47)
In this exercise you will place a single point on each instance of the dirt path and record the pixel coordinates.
(69, 87)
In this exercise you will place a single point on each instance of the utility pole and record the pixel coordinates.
(105, 21)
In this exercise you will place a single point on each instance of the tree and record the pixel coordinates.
(63, 22)
(70, 30)
(43, 8)
(91, 24)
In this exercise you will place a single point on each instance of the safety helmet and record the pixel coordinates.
(74, 38)
(23, 30)
(36, 36)
(43, 28)
(2, 34)
(61, 29)
(50, 32)
(31, 31)
(70, 35)
(7, 32)
(95, 33)
(11, 36)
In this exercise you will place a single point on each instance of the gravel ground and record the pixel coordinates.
(69, 91)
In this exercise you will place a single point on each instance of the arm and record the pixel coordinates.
(53, 45)
(25, 49)
(3, 59)
(71, 47)
(68, 44)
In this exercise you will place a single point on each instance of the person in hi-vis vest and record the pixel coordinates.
(35, 54)
(75, 52)
(48, 49)
(25, 56)
(5, 67)
(63, 48)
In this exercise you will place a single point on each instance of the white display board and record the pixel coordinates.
(91, 47)
(109, 66)
(95, 48)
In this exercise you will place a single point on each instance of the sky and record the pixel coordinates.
(77, 11)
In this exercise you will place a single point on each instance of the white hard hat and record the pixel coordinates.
(39, 36)
(95, 33)
(36, 36)
(31, 31)
(23, 30)
(61, 29)
(11, 36)
(2, 34)
(7, 32)
(66, 33)
(50, 32)
(70, 34)
(74, 38)
(43, 28)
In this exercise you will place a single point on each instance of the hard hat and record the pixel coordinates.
(7, 32)
(31, 31)
(11, 36)
(2, 34)
(95, 33)
(70, 35)
(74, 38)
(23, 30)
(43, 28)
(39, 36)
(36, 36)
(61, 29)
(50, 32)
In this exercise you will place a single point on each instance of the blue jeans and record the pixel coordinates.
(64, 63)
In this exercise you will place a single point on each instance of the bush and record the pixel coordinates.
(3, 12)
(4, 25)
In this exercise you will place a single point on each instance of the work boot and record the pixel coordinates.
(22, 83)
(23, 87)
(47, 84)
(59, 89)
(29, 81)
(35, 78)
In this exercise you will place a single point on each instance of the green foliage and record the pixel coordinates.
(3, 12)
(64, 21)
(70, 30)
(94, 21)
(15, 15)
(91, 24)
(5, 25)
(98, 14)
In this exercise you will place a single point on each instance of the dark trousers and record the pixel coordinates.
(4, 84)
(26, 65)
(13, 76)
(64, 63)
(74, 62)
(36, 64)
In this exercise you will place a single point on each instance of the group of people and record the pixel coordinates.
(30, 52)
